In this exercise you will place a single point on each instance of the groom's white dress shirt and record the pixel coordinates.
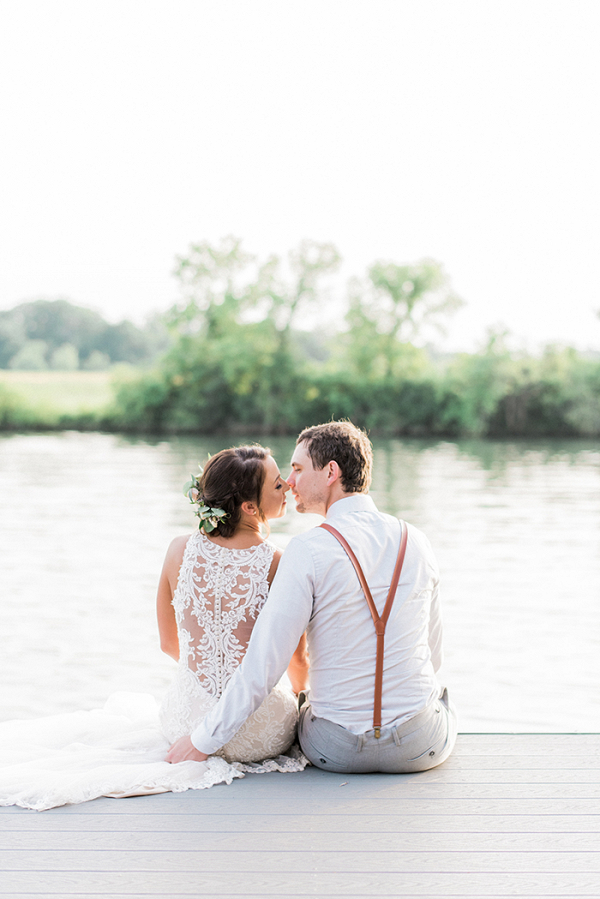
(316, 589)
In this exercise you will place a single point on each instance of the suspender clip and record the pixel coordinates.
(377, 733)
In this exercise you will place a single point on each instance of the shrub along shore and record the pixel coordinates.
(485, 395)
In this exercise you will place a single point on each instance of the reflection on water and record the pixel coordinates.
(85, 520)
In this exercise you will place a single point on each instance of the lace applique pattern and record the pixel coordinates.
(219, 594)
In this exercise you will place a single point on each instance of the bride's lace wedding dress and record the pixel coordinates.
(119, 750)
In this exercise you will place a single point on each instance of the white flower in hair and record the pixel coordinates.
(210, 516)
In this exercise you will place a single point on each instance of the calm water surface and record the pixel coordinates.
(85, 520)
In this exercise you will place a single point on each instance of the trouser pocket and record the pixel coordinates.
(422, 747)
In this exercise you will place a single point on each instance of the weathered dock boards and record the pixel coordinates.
(507, 815)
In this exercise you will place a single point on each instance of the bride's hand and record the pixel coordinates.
(183, 750)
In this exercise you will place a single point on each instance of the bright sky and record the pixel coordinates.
(463, 130)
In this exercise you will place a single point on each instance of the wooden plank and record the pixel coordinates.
(312, 893)
(520, 761)
(301, 883)
(254, 862)
(438, 805)
(373, 839)
(436, 789)
(511, 744)
(353, 795)
(443, 791)
(245, 822)
(511, 774)
(473, 804)
(574, 741)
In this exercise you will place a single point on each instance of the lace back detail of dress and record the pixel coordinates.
(219, 594)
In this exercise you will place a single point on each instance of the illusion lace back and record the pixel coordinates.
(219, 594)
(119, 750)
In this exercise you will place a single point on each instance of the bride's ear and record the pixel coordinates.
(249, 508)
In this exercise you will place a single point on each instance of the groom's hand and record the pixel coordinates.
(183, 750)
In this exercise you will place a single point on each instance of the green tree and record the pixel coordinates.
(583, 399)
(31, 357)
(59, 323)
(65, 358)
(123, 342)
(214, 282)
(283, 297)
(12, 337)
(234, 330)
(471, 387)
(224, 284)
(97, 361)
(388, 311)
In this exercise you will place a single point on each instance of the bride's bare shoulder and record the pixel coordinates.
(176, 550)
(274, 565)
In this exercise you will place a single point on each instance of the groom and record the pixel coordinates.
(317, 590)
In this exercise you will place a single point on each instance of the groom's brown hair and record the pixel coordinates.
(344, 443)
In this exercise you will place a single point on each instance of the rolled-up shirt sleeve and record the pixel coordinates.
(276, 634)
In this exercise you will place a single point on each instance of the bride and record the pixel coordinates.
(211, 590)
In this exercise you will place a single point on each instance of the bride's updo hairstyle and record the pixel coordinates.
(230, 478)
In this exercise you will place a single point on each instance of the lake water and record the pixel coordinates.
(85, 520)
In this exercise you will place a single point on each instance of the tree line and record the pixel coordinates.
(56, 334)
(239, 359)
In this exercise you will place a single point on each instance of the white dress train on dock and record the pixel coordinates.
(119, 750)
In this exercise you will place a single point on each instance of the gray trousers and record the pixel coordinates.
(422, 742)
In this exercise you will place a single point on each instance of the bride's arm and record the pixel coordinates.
(299, 663)
(167, 626)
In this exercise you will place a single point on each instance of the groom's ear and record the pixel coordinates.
(249, 508)
(334, 473)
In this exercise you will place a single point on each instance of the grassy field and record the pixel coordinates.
(49, 394)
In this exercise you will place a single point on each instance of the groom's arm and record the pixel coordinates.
(299, 667)
(274, 639)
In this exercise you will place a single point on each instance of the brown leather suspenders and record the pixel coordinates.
(379, 621)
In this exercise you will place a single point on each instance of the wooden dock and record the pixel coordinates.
(506, 815)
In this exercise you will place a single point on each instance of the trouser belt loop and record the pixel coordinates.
(361, 742)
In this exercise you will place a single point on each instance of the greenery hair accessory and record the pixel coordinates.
(209, 516)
